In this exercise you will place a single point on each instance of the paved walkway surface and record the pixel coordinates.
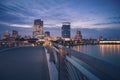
(24, 63)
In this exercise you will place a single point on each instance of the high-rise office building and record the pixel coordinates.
(6, 34)
(38, 29)
(47, 34)
(15, 34)
(78, 36)
(66, 30)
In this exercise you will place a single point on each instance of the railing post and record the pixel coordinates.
(63, 74)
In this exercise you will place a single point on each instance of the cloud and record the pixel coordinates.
(53, 12)
(4, 23)
(81, 13)
(21, 25)
(16, 25)
(107, 23)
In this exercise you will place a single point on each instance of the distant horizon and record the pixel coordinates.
(86, 33)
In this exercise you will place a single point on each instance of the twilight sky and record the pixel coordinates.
(93, 17)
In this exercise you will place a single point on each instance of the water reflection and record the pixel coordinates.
(109, 53)
(78, 48)
(110, 50)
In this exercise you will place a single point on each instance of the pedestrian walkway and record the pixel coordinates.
(24, 63)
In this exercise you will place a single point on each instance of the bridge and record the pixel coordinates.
(110, 42)
(81, 66)
(53, 62)
(24, 63)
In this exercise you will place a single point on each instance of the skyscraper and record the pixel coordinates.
(66, 30)
(6, 34)
(78, 36)
(38, 29)
(15, 34)
(47, 34)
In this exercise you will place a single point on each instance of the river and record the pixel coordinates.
(109, 53)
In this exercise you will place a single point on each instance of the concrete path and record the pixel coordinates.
(24, 63)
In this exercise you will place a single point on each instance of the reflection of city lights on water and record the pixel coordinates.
(78, 48)
(110, 49)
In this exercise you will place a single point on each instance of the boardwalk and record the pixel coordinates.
(25, 63)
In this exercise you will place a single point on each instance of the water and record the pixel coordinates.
(109, 53)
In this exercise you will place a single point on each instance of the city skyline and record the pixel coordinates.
(100, 17)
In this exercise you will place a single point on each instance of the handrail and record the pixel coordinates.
(106, 69)
(74, 76)
(85, 72)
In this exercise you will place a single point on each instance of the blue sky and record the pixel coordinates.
(93, 17)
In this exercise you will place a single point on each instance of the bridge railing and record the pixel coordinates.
(69, 69)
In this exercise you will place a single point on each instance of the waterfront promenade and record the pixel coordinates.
(24, 63)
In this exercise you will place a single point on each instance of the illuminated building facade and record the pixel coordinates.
(47, 34)
(15, 34)
(66, 30)
(38, 29)
(78, 36)
(6, 34)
